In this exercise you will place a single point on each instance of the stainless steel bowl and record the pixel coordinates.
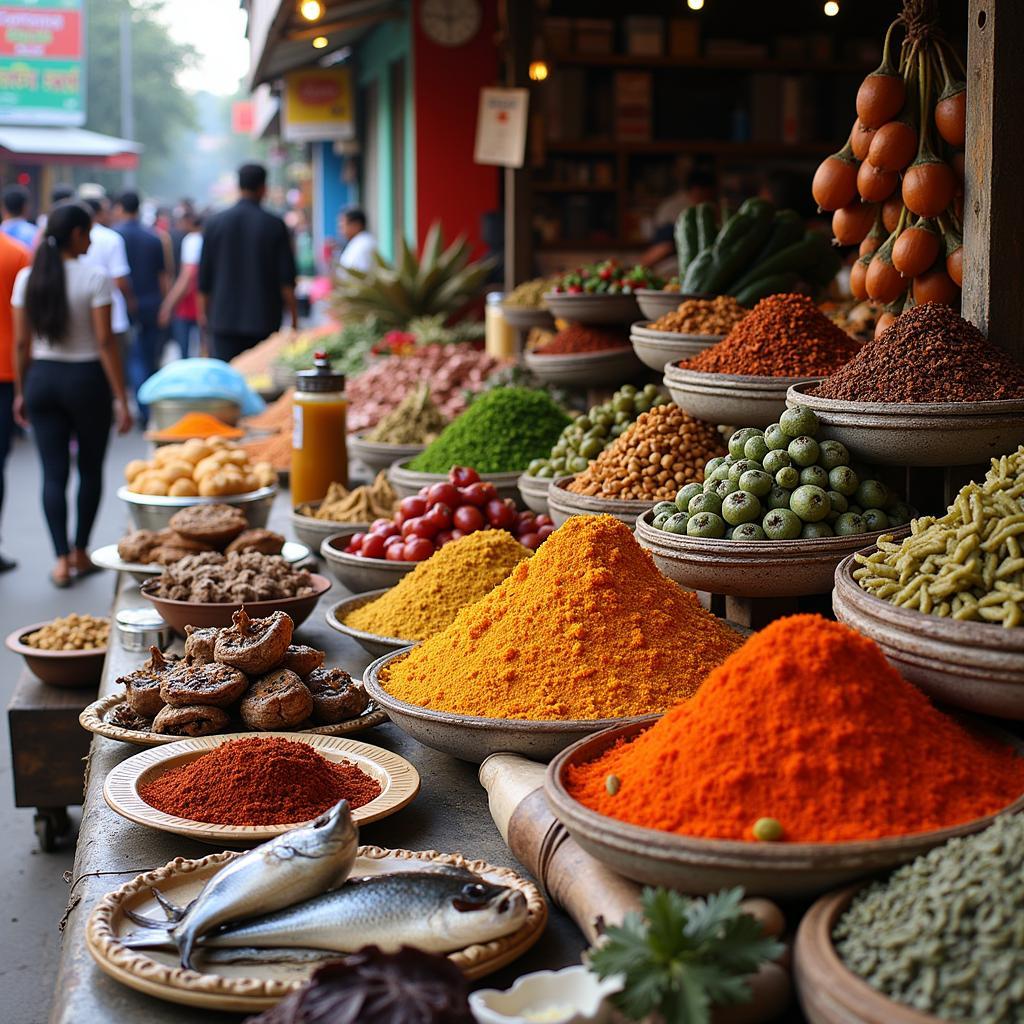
(166, 412)
(153, 512)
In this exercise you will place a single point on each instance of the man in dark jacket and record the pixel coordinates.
(247, 270)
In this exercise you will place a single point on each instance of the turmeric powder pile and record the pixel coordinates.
(587, 628)
(427, 600)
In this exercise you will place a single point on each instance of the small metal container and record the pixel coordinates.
(138, 629)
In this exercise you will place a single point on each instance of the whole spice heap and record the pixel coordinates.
(579, 338)
(657, 455)
(783, 336)
(943, 933)
(585, 629)
(359, 505)
(73, 632)
(415, 420)
(277, 416)
(502, 431)
(930, 354)
(428, 599)
(259, 781)
(530, 294)
(805, 734)
(196, 424)
(702, 316)
(967, 564)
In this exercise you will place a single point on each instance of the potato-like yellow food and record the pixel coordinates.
(211, 468)
(266, 475)
(134, 469)
(183, 487)
(72, 633)
(167, 453)
(152, 484)
(177, 470)
(195, 451)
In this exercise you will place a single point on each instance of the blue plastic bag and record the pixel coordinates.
(201, 378)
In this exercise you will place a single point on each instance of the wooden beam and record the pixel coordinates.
(993, 211)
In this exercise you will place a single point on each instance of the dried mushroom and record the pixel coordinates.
(142, 687)
(254, 646)
(211, 685)
(302, 660)
(336, 695)
(193, 720)
(278, 700)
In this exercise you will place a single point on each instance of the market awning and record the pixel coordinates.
(68, 146)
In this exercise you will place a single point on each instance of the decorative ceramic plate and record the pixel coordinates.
(96, 719)
(250, 988)
(399, 784)
(107, 557)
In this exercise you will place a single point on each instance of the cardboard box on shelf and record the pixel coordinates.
(595, 37)
(645, 35)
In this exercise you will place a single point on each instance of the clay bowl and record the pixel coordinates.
(153, 512)
(593, 309)
(697, 865)
(977, 666)
(313, 532)
(359, 575)
(655, 303)
(471, 738)
(372, 643)
(67, 669)
(562, 504)
(179, 614)
(523, 318)
(408, 481)
(657, 349)
(376, 456)
(107, 557)
(533, 491)
(729, 398)
(585, 370)
(767, 568)
(897, 434)
(828, 991)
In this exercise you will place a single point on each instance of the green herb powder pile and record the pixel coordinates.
(945, 934)
(501, 432)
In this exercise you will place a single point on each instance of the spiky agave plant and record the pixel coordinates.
(439, 282)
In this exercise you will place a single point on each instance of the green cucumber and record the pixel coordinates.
(686, 239)
(764, 286)
(733, 253)
(697, 272)
(705, 222)
(787, 229)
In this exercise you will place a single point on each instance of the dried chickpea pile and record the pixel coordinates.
(702, 316)
(663, 450)
(72, 633)
(210, 468)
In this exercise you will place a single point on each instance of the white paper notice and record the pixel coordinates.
(501, 127)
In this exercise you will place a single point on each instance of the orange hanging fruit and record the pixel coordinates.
(893, 146)
(929, 186)
(851, 224)
(915, 250)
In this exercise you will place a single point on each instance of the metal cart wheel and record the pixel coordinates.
(50, 823)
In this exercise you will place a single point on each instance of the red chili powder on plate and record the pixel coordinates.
(259, 781)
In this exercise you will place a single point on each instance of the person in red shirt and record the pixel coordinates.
(13, 258)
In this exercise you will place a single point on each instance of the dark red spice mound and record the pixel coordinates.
(259, 781)
(784, 335)
(928, 354)
(577, 338)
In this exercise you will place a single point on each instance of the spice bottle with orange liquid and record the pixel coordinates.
(319, 455)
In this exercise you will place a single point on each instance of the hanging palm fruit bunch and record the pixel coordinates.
(896, 188)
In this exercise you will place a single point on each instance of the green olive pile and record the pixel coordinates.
(588, 435)
(782, 484)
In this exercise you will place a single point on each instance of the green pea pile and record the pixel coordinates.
(945, 933)
(782, 484)
(588, 435)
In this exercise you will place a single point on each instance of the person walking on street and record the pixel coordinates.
(149, 271)
(107, 251)
(14, 258)
(360, 252)
(69, 383)
(247, 271)
(14, 224)
(179, 310)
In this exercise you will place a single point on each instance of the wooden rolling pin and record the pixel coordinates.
(591, 894)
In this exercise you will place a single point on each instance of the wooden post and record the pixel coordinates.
(993, 211)
(518, 212)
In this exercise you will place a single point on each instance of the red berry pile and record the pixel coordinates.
(445, 512)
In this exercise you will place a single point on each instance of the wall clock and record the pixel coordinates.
(450, 22)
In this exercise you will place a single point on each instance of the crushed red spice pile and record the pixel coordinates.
(578, 338)
(782, 336)
(928, 354)
(259, 781)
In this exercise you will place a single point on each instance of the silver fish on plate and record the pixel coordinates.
(291, 868)
(438, 911)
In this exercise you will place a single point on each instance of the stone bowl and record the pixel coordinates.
(766, 568)
(977, 666)
(66, 669)
(523, 318)
(656, 349)
(471, 738)
(903, 434)
(655, 303)
(698, 865)
(313, 532)
(533, 490)
(563, 503)
(592, 309)
(376, 456)
(357, 574)
(585, 370)
(729, 398)
(153, 512)
(372, 643)
(408, 481)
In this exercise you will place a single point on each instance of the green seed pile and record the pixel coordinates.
(945, 934)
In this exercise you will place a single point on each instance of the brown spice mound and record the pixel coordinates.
(928, 354)
(702, 316)
(783, 336)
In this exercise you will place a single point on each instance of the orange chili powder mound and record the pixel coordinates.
(197, 424)
(808, 724)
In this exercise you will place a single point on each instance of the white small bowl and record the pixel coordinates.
(579, 990)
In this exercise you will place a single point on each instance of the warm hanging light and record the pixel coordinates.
(695, 5)
(319, 42)
(831, 8)
(538, 70)
(311, 10)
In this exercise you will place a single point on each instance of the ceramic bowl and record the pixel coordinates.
(563, 503)
(372, 643)
(656, 349)
(313, 532)
(523, 318)
(698, 865)
(533, 491)
(592, 309)
(67, 669)
(376, 456)
(473, 738)
(585, 370)
(359, 575)
(899, 434)
(978, 666)
(582, 996)
(408, 481)
(153, 512)
(655, 303)
(107, 557)
(729, 398)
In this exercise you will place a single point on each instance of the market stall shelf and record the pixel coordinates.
(586, 370)
(356, 573)
(534, 492)
(372, 643)
(376, 456)
(249, 988)
(408, 482)
(314, 532)
(107, 557)
(698, 865)
(656, 349)
(153, 512)
(523, 318)
(563, 503)
(593, 309)
(70, 669)
(655, 302)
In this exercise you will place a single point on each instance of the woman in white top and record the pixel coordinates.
(68, 369)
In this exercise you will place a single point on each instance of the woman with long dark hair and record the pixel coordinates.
(69, 384)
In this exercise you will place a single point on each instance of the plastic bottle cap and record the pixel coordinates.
(321, 378)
